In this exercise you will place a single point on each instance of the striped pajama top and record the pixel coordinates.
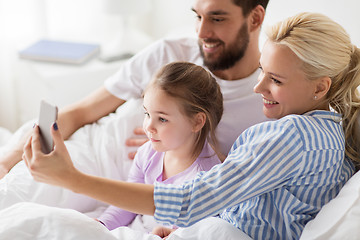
(275, 179)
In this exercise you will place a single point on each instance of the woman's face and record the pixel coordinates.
(283, 84)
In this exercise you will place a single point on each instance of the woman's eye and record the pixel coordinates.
(275, 81)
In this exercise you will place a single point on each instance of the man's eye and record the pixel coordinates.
(218, 19)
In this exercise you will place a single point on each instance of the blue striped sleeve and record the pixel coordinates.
(260, 160)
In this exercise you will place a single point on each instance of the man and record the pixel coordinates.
(228, 38)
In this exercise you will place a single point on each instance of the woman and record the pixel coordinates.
(278, 174)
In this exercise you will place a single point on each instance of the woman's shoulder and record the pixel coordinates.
(320, 127)
(295, 120)
(272, 130)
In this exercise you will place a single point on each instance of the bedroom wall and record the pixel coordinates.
(84, 20)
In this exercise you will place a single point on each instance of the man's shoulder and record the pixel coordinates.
(172, 44)
(178, 49)
(187, 42)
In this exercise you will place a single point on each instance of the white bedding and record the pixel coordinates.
(29, 221)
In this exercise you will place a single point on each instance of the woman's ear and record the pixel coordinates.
(322, 87)
(199, 121)
(256, 18)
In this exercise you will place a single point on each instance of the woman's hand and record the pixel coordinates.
(55, 168)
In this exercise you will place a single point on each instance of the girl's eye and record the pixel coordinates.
(260, 67)
(147, 114)
(163, 119)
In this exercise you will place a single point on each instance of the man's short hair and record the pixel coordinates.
(248, 5)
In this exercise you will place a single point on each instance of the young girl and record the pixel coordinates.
(182, 105)
(278, 174)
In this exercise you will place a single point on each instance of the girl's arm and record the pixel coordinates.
(57, 169)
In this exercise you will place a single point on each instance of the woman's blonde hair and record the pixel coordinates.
(326, 51)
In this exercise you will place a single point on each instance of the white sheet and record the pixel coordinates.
(30, 221)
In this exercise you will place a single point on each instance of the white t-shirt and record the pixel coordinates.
(242, 107)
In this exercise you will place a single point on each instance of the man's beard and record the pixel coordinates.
(231, 55)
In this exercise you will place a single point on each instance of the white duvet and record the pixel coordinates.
(29, 221)
(32, 210)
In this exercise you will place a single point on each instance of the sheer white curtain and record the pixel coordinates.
(20, 22)
(23, 22)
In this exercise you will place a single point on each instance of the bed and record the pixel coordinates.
(31, 210)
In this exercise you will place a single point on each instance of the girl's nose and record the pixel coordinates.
(149, 126)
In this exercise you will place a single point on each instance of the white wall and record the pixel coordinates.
(85, 20)
(20, 22)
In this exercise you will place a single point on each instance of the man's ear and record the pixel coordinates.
(256, 18)
(322, 86)
(199, 121)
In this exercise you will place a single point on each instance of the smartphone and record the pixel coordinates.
(47, 117)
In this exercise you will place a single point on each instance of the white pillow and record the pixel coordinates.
(340, 218)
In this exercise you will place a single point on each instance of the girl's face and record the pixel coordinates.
(165, 124)
(283, 84)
